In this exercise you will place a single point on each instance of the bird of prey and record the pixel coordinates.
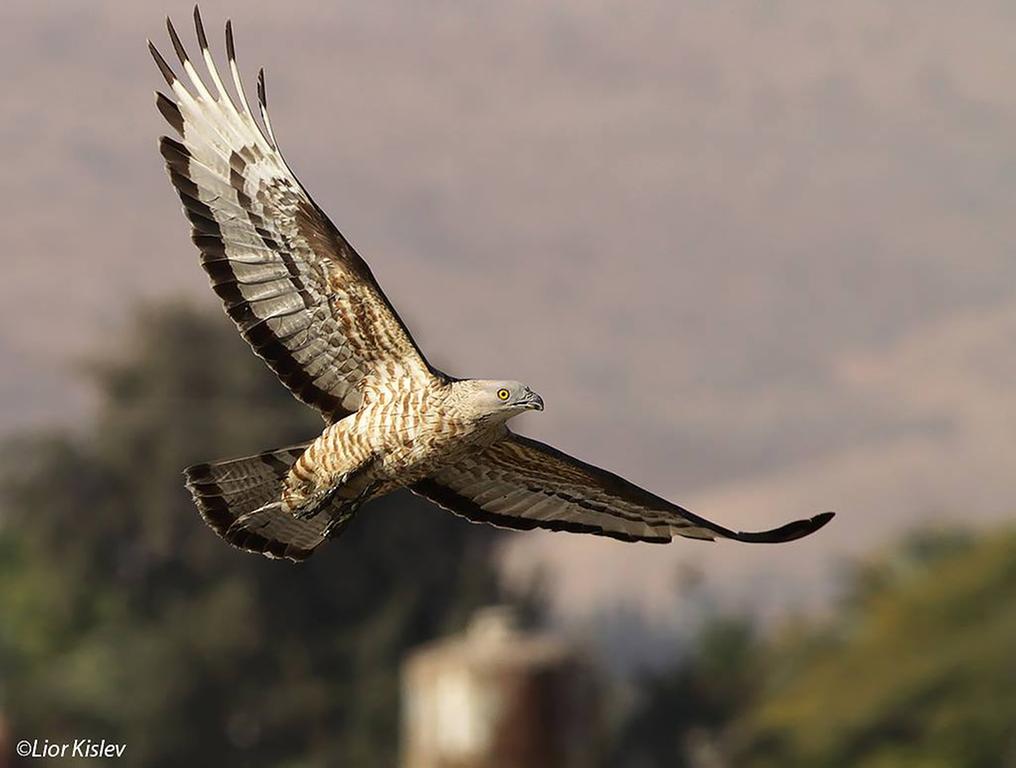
(310, 307)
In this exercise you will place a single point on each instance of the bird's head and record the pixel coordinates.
(493, 399)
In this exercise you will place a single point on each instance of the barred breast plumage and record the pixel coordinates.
(407, 428)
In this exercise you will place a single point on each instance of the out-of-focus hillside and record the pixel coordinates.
(741, 252)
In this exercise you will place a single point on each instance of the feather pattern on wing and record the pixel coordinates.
(524, 484)
(298, 292)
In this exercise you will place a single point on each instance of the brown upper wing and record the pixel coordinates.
(522, 483)
(298, 292)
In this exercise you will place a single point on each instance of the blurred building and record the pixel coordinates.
(497, 696)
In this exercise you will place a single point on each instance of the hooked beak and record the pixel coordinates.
(533, 401)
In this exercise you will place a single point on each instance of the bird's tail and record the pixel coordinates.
(239, 499)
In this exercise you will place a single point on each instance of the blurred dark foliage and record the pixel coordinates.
(918, 669)
(125, 618)
(681, 712)
(914, 668)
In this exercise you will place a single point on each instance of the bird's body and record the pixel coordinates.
(405, 430)
(310, 307)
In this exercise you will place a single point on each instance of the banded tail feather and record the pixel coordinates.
(239, 499)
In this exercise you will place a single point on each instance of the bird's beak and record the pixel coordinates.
(533, 401)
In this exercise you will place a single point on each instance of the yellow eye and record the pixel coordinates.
(503, 394)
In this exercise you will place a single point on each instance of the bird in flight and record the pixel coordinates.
(309, 306)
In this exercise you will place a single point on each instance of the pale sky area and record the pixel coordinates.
(758, 257)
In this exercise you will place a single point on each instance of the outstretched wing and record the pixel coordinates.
(521, 483)
(298, 292)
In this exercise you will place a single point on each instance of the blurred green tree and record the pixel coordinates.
(917, 671)
(125, 618)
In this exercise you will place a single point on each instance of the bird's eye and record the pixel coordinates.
(503, 394)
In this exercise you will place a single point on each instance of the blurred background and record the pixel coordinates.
(757, 257)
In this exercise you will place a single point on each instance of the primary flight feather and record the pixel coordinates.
(310, 307)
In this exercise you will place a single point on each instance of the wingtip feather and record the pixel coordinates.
(262, 100)
(177, 45)
(797, 529)
(160, 62)
(230, 47)
(170, 111)
(200, 29)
